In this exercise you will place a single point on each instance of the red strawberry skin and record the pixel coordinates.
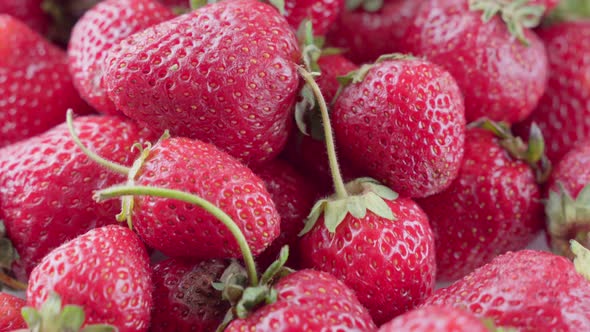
(435, 318)
(492, 207)
(528, 290)
(10, 316)
(404, 125)
(184, 299)
(225, 74)
(331, 67)
(389, 264)
(501, 78)
(309, 300)
(564, 111)
(96, 32)
(47, 182)
(322, 13)
(35, 86)
(573, 171)
(28, 12)
(185, 230)
(106, 271)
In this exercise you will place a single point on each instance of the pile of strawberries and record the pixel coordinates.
(306, 165)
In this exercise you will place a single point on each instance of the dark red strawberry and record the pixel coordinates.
(492, 207)
(501, 78)
(365, 35)
(47, 182)
(294, 196)
(528, 290)
(568, 206)
(105, 271)
(184, 297)
(35, 86)
(308, 300)
(435, 318)
(29, 12)
(225, 74)
(564, 111)
(96, 32)
(322, 13)
(402, 122)
(10, 316)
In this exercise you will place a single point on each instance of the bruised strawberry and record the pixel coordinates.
(10, 316)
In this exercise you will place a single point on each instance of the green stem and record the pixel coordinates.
(121, 169)
(115, 192)
(12, 283)
(331, 149)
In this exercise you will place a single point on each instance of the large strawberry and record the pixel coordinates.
(225, 74)
(29, 12)
(96, 32)
(435, 318)
(184, 297)
(528, 290)
(46, 185)
(500, 77)
(492, 207)
(35, 86)
(564, 110)
(105, 271)
(402, 121)
(10, 316)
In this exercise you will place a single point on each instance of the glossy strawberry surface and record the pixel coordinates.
(10, 316)
(435, 318)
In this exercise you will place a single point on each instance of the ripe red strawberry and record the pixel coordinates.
(184, 298)
(564, 111)
(500, 77)
(435, 318)
(105, 271)
(225, 74)
(528, 290)
(390, 264)
(322, 13)
(35, 86)
(10, 316)
(29, 12)
(492, 207)
(308, 300)
(294, 196)
(46, 185)
(96, 32)
(366, 35)
(403, 124)
(567, 211)
(332, 66)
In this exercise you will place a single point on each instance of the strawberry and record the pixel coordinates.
(96, 32)
(492, 207)
(333, 66)
(528, 290)
(225, 74)
(402, 121)
(105, 271)
(293, 195)
(564, 109)
(322, 13)
(46, 185)
(184, 297)
(35, 87)
(29, 12)
(365, 35)
(308, 300)
(502, 72)
(435, 318)
(567, 208)
(10, 317)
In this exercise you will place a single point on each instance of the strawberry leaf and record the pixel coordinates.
(582, 259)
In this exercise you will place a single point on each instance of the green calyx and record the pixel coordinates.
(366, 5)
(533, 152)
(569, 10)
(54, 318)
(568, 219)
(581, 259)
(517, 14)
(365, 194)
(357, 76)
(492, 327)
(8, 255)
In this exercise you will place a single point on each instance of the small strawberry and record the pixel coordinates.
(322, 13)
(402, 121)
(105, 271)
(435, 318)
(528, 290)
(29, 12)
(96, 32)
(492, 207)
(224, 73)
(501, 78)
(184, 297)
(10, 316)
(35, 86)
(46, 185)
